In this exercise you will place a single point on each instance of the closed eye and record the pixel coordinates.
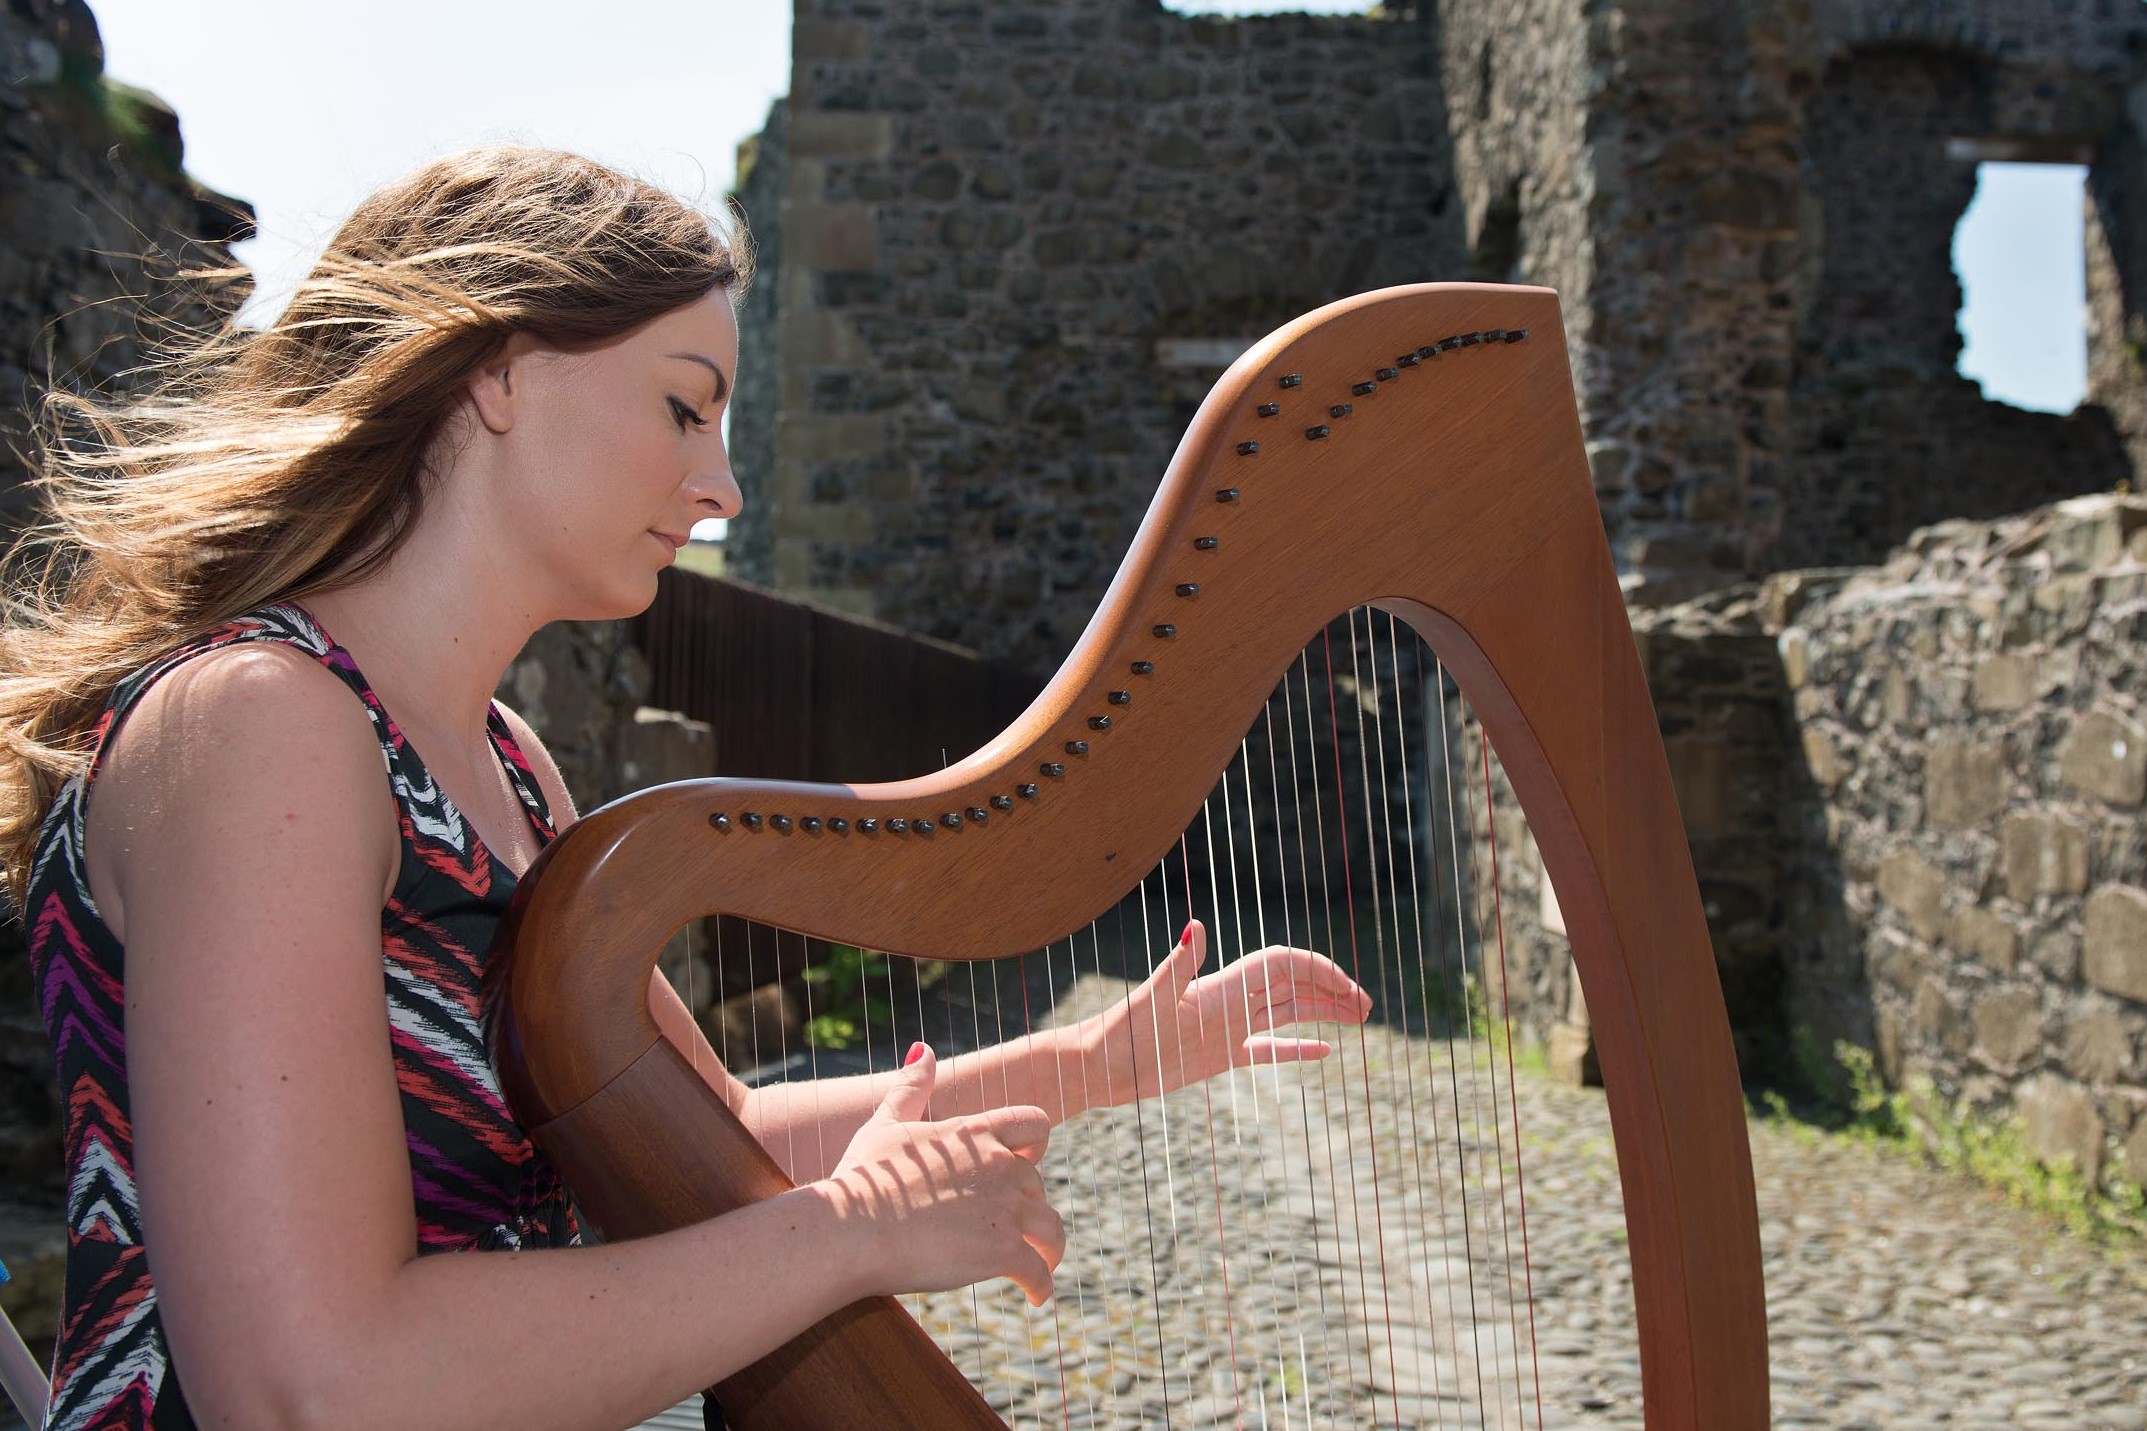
(682, 414)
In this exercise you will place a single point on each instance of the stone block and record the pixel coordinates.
(937, 181)
(840, 134)
(1937, 1016)
(662, 746)
(1963, 781)
(837, 236)
(2115, 955)
(830, 40)
(825, 437)
(2004, 683)
(2097, 1047)
(2009, 1027)
(755, 1025)
(1887, 1027)
(2105, 755)
(1987, 937)
(2043, 854)
(2064, 605)
(2059, 1122)
(2091, 532)
(1908, 883)
(2136, 1152)
(1823, 759)
(1897, 960)
(2056, 951)
(1572, 1055)
(1897, 697)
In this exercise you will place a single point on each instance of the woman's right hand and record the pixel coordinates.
(951, 1202)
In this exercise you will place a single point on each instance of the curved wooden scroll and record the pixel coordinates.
(1455, 494)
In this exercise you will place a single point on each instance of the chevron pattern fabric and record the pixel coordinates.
(476, 1182)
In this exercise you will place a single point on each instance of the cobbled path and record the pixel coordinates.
(1899, 1298)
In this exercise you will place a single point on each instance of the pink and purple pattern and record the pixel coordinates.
(476, 1181)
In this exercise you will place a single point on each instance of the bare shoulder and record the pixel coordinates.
(230, 756)
(252, 829)
(543, 767)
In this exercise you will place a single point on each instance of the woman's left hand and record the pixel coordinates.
(1176, 1029)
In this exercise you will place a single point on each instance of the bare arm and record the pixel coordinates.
(253, 835)
(1175, 1028)
(805, 1126)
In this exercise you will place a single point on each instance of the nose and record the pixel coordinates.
(713, 489)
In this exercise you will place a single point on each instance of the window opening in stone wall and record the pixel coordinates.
(2021, 253)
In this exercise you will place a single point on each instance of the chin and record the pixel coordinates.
(620, 601)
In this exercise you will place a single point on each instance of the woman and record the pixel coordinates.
(495, 403)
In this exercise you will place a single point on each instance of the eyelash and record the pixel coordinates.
(682, 414)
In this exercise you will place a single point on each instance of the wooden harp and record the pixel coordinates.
(1415, 449)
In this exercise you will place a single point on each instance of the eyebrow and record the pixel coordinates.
(722, 384)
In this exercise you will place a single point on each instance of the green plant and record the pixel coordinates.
(1918, 1121)
(840, 994)
(111, 113)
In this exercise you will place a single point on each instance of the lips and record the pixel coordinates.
(674, 541)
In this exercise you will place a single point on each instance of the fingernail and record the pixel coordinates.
(916, 1051)
(1187, 937)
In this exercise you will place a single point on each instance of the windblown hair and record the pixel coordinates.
(244, 468)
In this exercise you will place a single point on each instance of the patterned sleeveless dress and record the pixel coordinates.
(477, 1181)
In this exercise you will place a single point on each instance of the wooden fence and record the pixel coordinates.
(794, 692)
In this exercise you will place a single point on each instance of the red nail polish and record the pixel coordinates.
(1187, 937)
(916, 1051)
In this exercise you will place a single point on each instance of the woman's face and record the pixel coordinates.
(609, 457)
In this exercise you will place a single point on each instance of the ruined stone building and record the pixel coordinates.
(1007, 247)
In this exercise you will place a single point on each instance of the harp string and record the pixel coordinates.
(1300, 1374)
(1110, 1329)
(1333, 945)
(1028, 1035)
(1430, 1104)
(1282, 891)
(1140, 1142)
(1403, 1096)
(1215, 1168)
(1252, 1081)
(1459, 971)
(1386, 1303)
(1490, 1045)
(1274, 1071)
(1237, 941)
(1327, 1318)
(1520, 1175)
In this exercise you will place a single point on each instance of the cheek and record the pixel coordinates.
(605, 469)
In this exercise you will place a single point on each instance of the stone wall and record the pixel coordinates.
(1018, 244)
(96, 205)
(1913, 794)
(1009, 238)
(1975, 879)
(1767, 343)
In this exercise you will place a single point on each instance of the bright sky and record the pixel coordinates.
(305, 108)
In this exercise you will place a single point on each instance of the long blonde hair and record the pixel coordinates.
(249, 467)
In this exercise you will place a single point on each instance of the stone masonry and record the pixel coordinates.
(1914, 799)
(1008, 248)
(1016, 244)
(95, 207)
(1972, 722)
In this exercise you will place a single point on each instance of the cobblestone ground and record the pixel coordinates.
(1898, 1297)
